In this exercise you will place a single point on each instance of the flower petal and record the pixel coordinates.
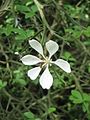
(63, 65)
(33, 73)
(46, 79)
(36, 45)
(30, 60)
(52, 47)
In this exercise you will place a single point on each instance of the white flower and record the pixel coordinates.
(46, 79)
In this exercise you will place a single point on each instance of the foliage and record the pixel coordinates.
(83, 99)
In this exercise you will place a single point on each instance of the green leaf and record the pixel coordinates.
(87, 31)
(29, 14)
(76, 97)
(87, 42)
(51, 110)
(2, 84)
(7, 30)
(20, 81)
(86, 97)
(29, 115)
(66, 55)
(19, 78)
(22, 8)
(30, 33)
(23, 34)
(85, 106)
(34, 8)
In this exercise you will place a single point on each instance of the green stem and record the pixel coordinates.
(40, 8)
(49, 101)
(77, 83)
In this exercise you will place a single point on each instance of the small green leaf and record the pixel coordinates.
(76, 97)
(7, 30)
(51, 110)
(29, 14)
(22, 8)
(20, 81)
(87, 31)
(85, 106)
(30, 33)
(34, 8)
(86, 97)
(67, 55)
(29, 115)
(2, 84)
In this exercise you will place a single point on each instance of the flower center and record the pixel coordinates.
(47, 60)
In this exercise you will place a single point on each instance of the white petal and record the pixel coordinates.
(52, 47)
(63, 65)
(30, 60)
(33, 73)
(36, 45)
(46, 79)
